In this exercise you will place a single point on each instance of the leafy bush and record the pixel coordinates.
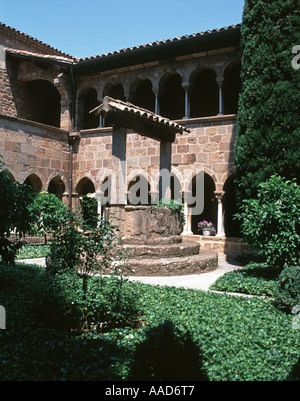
(288, 288)
(51, 212)
(81, 253)
(60, 302)
(89, 211)
(271, 223)
(254, 279)
(33, 251)
(16, 216)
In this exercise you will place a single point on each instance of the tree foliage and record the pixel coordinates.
(271, 222)
(89, 211)
(50, 211)
(16, 216)
(268, 116)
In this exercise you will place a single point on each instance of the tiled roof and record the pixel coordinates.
(58, 55)
(24, 36)
(110, 105)
(39, 55)
(161, 42)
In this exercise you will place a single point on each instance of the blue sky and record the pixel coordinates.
(86, 28)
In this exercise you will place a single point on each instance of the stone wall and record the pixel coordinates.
(30, 148)
(209, 147)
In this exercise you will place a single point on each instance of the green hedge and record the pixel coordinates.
(254, 279)
(237, 338)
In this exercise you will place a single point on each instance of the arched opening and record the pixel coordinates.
(11, 177)
(88, 100)
(172, 97)
(204, 94)
(231, 88)
(42, 103)
(88, 205)
(139, 191)
(57, 187)
(231, 225)
(34, 182)
(85, 186)
(142, 95)
(210, 204)
(114, 90)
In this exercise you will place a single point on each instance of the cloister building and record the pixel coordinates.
(50, 140)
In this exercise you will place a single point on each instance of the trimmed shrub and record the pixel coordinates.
(271, 222)
(288, 289)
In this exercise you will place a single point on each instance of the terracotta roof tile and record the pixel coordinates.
(110, 104)
(38, 55)
(160, 42)
(23, 35)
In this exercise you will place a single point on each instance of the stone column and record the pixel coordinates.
(119, 166)
(187, 229)
(165, 170)
(220, 81)
(220, 220)
(186, 87)
(101, 119)
(156, 108)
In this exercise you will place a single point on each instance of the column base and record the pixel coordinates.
(187, 233)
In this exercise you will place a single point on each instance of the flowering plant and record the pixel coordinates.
(205, 225)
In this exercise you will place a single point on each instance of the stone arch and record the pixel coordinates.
(85, 186)
(57, 186)
(141, 93)
(115, 90)
(87, 101)
(231, 226)
(204, 92)
(42, 102)
(34, 182)
(210, 203)
(171, 96)
(231, 87)
(11, 177)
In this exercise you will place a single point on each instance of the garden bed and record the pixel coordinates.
(237, 338)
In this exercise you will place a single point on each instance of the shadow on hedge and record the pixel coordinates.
(167, 355)
(38, 343)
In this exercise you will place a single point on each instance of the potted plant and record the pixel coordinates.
(207, 228)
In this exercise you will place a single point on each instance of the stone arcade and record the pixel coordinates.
(50, 140)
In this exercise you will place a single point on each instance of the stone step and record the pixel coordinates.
(169, 266)
(162, 251)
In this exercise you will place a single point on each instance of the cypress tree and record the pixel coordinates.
(268, 139)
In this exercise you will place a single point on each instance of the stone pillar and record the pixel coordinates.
(101, 119)
(186, 87)
(187, 229)
(220, 220)
(220, 83)
(165, 170)
(119, 166)
(156, 108)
